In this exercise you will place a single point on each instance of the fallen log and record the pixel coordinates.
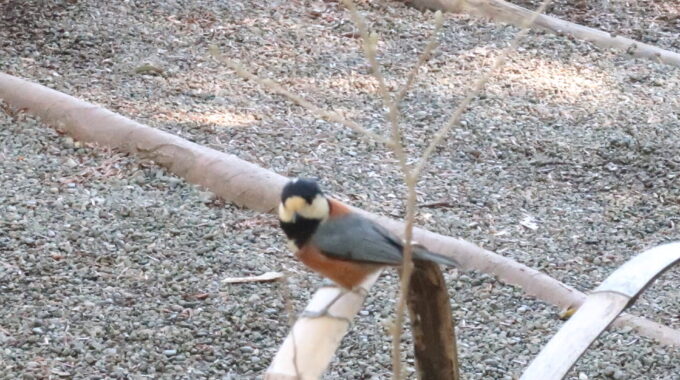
(503, 11)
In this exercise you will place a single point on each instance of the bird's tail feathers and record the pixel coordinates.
(420, 252)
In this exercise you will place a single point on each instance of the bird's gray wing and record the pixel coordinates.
(356, 238)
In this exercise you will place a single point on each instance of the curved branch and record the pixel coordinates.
(259, 188)
(608, 300)
(195, 163)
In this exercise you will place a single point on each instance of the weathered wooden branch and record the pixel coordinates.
(311, 343)
(607, 301)
(434, 335)
(249, 185)
(502, 11)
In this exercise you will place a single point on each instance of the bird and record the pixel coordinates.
(338, 243)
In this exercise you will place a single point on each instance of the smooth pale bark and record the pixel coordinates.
(578, 334)
(251, 186)
(231, 178)
(607, 301)
(312, 342)
(502, 11)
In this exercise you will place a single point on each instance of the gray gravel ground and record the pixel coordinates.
(111, 267)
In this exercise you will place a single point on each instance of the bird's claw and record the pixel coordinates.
(323, 313)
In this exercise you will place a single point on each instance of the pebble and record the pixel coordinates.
(71, 163)
(206, 196)
(68, 141)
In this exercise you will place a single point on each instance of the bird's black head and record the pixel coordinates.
(303, 207)
(304, 188)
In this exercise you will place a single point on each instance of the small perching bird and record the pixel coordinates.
(341, 245)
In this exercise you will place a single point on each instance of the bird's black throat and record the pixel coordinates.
(301, 230)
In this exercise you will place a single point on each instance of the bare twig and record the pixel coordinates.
(370, 45)
(454, 119)
(313, 108)
(395, 142)
(411, 178)
(411, 181)
(406, 271)
(423, 58)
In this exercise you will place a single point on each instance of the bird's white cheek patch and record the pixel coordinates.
(292, 246)
(319, 209)
(285, 215)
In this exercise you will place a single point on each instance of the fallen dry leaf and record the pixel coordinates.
(529, 222)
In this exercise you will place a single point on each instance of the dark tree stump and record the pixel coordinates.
(434, 336)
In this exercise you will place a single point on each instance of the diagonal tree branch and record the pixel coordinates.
(503, 11)
(257, 188)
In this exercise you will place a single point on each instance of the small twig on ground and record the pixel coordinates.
(265, 277)
(437, 204)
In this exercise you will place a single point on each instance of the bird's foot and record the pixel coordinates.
(325, 311)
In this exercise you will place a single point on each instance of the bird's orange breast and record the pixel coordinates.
(348, 274)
